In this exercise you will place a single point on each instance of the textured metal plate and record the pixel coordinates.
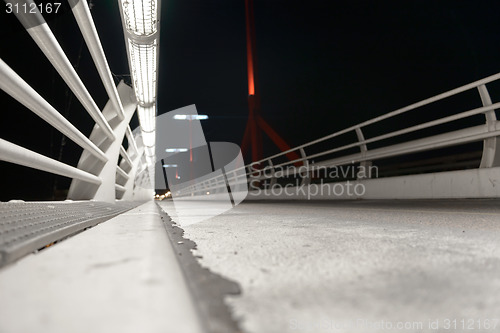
(28, 226)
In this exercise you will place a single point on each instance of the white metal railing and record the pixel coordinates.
(15, 86)
(47, 42)
(489, 132)
(22, 156)
(98, 175)
(83, 17)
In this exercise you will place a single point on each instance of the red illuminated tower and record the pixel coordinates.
(255, 123)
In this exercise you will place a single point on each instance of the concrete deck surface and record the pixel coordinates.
(120, 276)
(364, 266)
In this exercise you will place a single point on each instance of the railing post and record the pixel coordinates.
(132, 193)
(106, 191)
(366, 165)
(491, 155)
(251, 172)
(273, 178)
(131, 141)
(306, 180)
(213, 184)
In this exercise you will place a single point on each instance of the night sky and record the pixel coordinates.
(322, 66)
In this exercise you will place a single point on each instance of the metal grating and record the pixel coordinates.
(29, 226)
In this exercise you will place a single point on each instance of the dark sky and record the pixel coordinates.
(322, 66)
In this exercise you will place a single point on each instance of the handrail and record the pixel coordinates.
(131, 140)
(101, 149)
(488, 131)
(87, 27)
(410, 107)
(126, 156)
(15, 86)
(47, 42)
(120, 188)
(122, 172)
(10, 152)
(403, 131)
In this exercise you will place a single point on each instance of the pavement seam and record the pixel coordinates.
(208, 289)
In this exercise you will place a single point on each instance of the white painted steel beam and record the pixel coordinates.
(16, 87)
(125, 156)
(131, 140)
(122, 173)
(119, 188)
(471, 134)
(84, 19)
(48, 44)
(491, 153)
(12, 153)
(106, 192)
(485, 109)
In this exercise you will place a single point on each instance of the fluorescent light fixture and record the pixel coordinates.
(148, 138)
(170, 165)
(190, 116)
(141, 16)
(150, 151)
(147, 117)
(176, 150)
(149, 162)
(143, 68)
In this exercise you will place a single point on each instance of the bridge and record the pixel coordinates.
(390, 224)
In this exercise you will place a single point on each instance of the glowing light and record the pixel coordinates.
(250, 61)
(150, 161)
(191, 117)
(143, 68)
(141, 24)
(170, 165)
(148, 138)
(251, 84)
(140, 16)
(176, 150)
(147, 117)
(149, 151)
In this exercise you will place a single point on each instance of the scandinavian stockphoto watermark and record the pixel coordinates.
(336, 181)
(209, 178)
(205, 178)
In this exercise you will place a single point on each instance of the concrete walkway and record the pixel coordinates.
(120, 276)
(364, 266)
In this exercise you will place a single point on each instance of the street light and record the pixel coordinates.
(141, 27)
(190, 117)
(176, 150)
(147, 121)
(171, 166)
(148, 139)
(147, 115)
(141, 16)
(143, 70)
